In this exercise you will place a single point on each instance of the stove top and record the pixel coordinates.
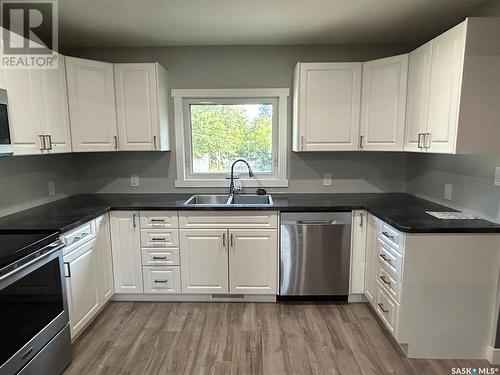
(14, 246)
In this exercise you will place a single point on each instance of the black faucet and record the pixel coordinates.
(250, 174)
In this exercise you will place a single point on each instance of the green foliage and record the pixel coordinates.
(224, 133)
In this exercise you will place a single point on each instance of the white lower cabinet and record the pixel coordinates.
(358, 252)
(161, 279)
(371, 259)
(81, 286)
(253, 261)
(204, 260)
(105, 259)
(127, 262)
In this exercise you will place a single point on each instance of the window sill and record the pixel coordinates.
(199, 183)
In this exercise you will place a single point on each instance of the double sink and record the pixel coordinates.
(224, 200)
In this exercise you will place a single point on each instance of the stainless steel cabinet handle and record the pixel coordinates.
(154, 142)
(157, 220)
(381, 307)
(43, 146)
(232, 240)
(361, 219)
(385, 280)
(386, 234)
(224, 240)
(302, 143)
(427, 140)
(161, 281)
(160, 258)
(116, 142)
(361, 137)
(384, 257)
(158, 239)
(49, 139)
(68, 269)
(419, 140)
(133, 220)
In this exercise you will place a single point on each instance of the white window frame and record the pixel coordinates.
(184, 97)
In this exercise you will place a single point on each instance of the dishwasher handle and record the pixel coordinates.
(317, 222)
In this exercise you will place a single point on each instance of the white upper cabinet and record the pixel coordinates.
(326, 106)
(383, 104)
(91, 98)
(141, 104)
(453, 91)
(417, 105)
(445, 87)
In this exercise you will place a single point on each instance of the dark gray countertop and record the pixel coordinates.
(403, 211)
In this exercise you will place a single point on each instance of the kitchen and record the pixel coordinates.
(110, 167)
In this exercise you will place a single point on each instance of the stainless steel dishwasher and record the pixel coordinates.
(315, 255)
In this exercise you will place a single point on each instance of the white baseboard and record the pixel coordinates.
(356, 298)
(493, 355)
(191, 298)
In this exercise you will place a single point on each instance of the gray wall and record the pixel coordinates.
(242, 67)
(24, 180)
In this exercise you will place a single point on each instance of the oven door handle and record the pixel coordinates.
(55, 247)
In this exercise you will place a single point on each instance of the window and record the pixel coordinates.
(216, 127)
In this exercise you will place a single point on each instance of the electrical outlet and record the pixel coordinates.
(448, 192)
(52, 188)
(134, 181)
(497, 176)
(327, 179)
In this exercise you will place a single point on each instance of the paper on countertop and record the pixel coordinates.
(451, 215)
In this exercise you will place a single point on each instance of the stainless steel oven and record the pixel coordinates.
(5, 141)
(34, 330)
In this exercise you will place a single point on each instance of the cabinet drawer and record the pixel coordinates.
(162, 279)
(159, 237)
(387, 309)
(390, 258)
(392, 237)
(391, 284)
(78, 236)
(160, 257)
(159, 219)
(227, 220)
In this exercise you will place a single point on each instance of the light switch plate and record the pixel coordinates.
(134, 181)
(448, 192)
(327, 179)
(497, 176)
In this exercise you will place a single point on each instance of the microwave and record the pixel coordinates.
(5, 142)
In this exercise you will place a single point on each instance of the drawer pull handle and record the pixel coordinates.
(161, 281)
(160, 258)
(381, 307)
(158, 239)
(67, 270)
(384, 257)
(157, 220)
(386, 234)
(385, 280)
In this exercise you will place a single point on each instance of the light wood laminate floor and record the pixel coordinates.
(243, 338)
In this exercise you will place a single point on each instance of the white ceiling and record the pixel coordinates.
(226, 22)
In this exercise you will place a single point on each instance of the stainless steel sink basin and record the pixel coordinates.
(252, 200)
(208, 200)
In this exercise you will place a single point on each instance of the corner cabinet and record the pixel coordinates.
(141, 107)
(126, 248)
(326, 101)
(383, 104)
(453, 91)
(92, 109)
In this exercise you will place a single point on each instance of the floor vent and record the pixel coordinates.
(228, 296)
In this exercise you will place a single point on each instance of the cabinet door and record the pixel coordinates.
(358, 252)
(328, 106)
(383, 104)
(55, 116)
(253, 255)
(82, 286)
(24, 111)
(445, 87)
(92, 111)
(417, 105)
(126, 249)
(105, 261)
(204, 261)
(136, 106)
(371, 259)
